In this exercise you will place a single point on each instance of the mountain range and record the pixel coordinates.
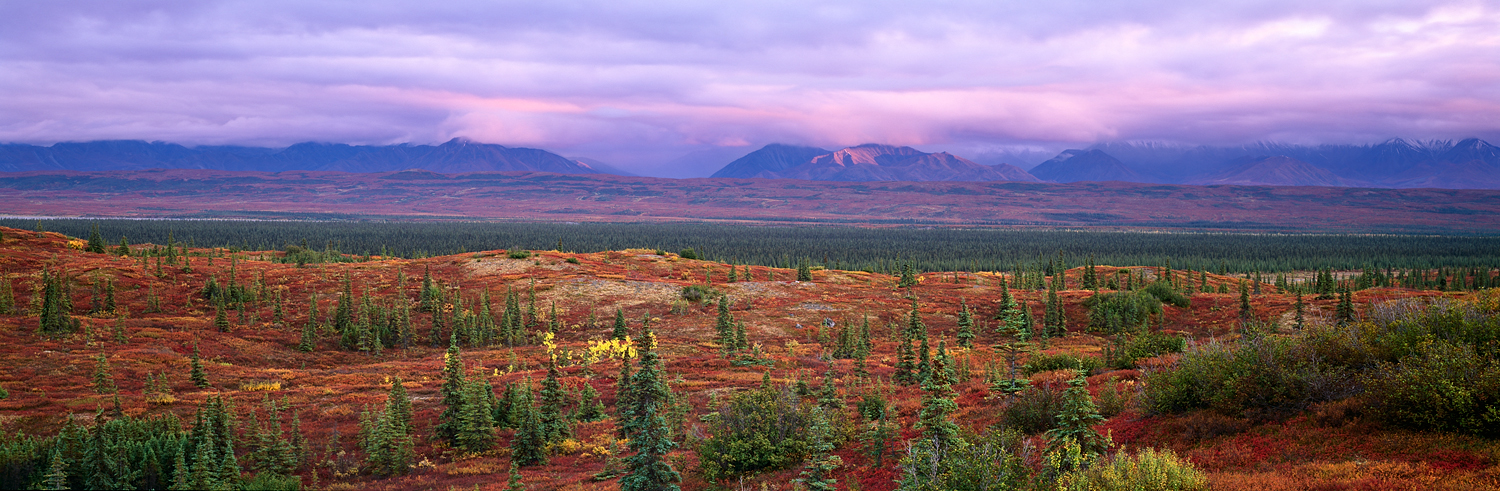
(1396, 163)
(868, 162)
(456, 156)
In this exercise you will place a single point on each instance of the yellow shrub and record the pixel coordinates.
(255, 385)
(568, 446)
(478, 468)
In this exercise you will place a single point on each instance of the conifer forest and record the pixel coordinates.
(150, 354)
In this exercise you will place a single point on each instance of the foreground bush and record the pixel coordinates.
(1445, 386)
(1042, 362)
(1033, 410)
(762, 429)
(992, 462)
(1136, 348)
(1426, 365)
(1258, 377)
(1147, 470)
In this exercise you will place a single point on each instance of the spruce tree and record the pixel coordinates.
(816, 475)
(554, 421)
(514, 484)
(309, 340)
(1345, 310)
(965, 325)
(1245, 312)
(590, 408)
(454, 385)
(938, 406)
(529, 447)
(623, 394)
(1090, 277)
(104, 381)
(197, 375)
(221, 321)
(56, 307)
(1075, 423)
(57, 473)
(621, 332)
(724, 326)
(476, 427)
(1300, 318)
(646, 428)
(1054, 322)
(96, 241)
(828, 394)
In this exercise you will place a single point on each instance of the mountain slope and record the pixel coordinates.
(868, 162)
(769, 160)
(457, 155)
(1085, 165)
(1279, 170)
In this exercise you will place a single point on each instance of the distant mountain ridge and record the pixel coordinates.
(1279, 170)
(455, 156)
(1085, 165)
(868, 162)
(1470, 163)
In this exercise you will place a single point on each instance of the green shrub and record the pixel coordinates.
(572, 260)
(1117, 312)
(688, 253)
(1033, 410)
(698, 293)
(1112, 399)
(1147, 470)
(1258, 377)
(1135, 348)
(1400, 329)
(266, 481)
(1042, 362)
(519, 254)
(991, 462)
(1446, 386)
(762, 429)
(1163, 292)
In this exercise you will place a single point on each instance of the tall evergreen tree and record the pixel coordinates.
(96, 241)
(197, 375)
(621, 332)
(530, 444)
(816, 476)
(1090, 277)
(1075, 424)
(938, 406)
(554, 420)
(965, 325)
(1054, 323)
(589, 408)
(1300, 318)
(1245, 311)
(1345, 310)
(475, 431)
(104, 381)
(454, 385)
(724, 326)
(647, 428)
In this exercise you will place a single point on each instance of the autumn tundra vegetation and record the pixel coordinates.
(153, 363)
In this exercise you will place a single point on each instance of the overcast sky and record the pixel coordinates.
(641, 84)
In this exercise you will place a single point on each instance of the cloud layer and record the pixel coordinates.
(640, 83)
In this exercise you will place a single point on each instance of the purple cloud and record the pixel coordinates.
(641, 83)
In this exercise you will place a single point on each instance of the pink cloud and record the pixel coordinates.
(641, 82)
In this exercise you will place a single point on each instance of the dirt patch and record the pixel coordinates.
(624, 293)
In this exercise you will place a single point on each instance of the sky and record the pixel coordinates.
(676, 89)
